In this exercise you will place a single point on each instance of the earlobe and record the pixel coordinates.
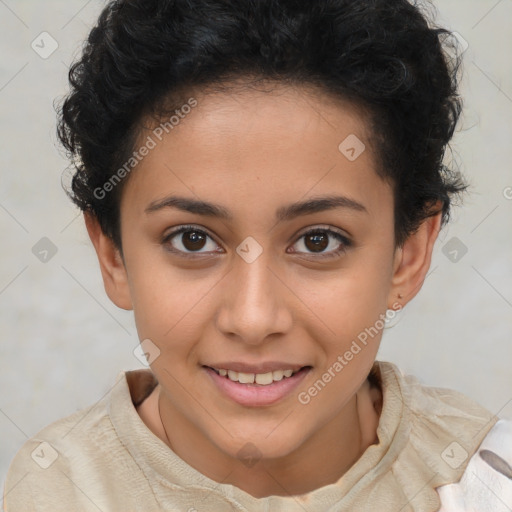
(412, 261)
(113, 271)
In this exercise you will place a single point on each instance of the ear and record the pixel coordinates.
(113, 271)
(412, 262)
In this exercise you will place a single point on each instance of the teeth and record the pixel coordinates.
(264, 379)
(233, 375)
(246, 378)
(278, 375)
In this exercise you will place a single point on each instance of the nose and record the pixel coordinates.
(255, 302)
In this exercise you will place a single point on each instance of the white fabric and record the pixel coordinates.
(483, 488)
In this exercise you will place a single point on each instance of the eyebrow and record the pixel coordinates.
(284, 213)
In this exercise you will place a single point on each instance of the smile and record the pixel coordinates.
(263, 379)
(257, 389)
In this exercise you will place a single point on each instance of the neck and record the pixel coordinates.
(321, 460)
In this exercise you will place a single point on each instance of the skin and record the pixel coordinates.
(254, 152)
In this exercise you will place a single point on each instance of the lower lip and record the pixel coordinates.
(255, 395)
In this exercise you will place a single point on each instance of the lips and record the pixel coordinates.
(256, 388)
(264, 378)
(266, 367)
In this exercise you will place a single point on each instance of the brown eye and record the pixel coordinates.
(318, 240)
(193, 240)
(188, 240)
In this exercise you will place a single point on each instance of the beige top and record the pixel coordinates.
(105, 458)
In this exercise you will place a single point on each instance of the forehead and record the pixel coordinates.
(261, 110)
(258, 144)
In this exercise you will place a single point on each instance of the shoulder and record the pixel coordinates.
(487, 481)
(440, 411)
(441, 427)
(53, 468)
(40, 466)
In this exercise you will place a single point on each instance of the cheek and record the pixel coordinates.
(348, 312)
(348, 299)
(348, 332)
(169, 307)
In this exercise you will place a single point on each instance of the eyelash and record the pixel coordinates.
(345, 242)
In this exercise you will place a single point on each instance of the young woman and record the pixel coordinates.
(262, 181)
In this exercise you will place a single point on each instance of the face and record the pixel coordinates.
(287, 265)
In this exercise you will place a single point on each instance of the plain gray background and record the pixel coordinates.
(63, 342)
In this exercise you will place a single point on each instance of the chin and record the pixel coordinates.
(261, 443)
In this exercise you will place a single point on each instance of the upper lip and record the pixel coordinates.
(269, 366)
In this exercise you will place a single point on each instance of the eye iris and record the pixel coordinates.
(320, 241)
(195, 240)
(192, 240)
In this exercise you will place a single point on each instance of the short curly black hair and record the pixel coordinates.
(385, 56)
